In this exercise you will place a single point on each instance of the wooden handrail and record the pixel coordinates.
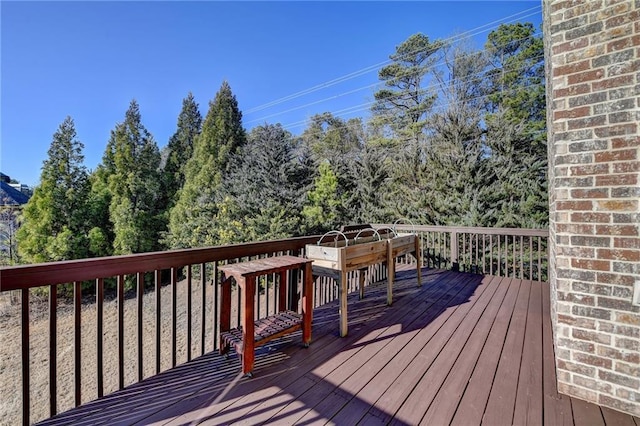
(37, 275)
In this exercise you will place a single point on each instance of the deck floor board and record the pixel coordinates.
(462, 349)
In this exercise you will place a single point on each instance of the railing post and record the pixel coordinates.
(455, 266)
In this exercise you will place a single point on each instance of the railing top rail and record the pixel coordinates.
(36, 275)
(472, 230)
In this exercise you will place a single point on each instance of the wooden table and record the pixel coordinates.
(337, 261)
(253, 333)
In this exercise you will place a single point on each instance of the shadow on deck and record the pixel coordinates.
(461, 349)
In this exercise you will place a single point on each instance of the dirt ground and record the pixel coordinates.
(10, 347)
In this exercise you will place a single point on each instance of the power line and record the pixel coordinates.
(329, 83)
(432, 88)
(378, 83)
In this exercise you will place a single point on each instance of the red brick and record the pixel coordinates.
(589, 170)
(590, 193)
(572, 113)
(623, 43)
(631, 319)
(628, 344)
(591, 264)
(624, 230)
(617, 205)
(578, 89)
(631, 370)
(577, 321)
(613, 82)
(591, 121)
(580, 299)
(617, 130)
(629, 243)
(624, 255)
(609, 352)
(572, 68)
(618, 379)
(607, 278)
(585, 76)
(582, 369)
(626, 167)
(596, 361)
(618, 155)
(591, 217)
(573, 228)
(574, 205)
(622, 19)
(577, 345)
(617, 180)
(631, 141)
(571, 45)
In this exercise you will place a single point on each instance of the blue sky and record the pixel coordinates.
(89, 59)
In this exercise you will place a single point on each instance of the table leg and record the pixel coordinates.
(342, 286)
(248, 326)
(418, 261)
(391, 273)
(361, 277)
(225, 311)
(307, 304)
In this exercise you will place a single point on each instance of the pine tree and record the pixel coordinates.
(262, 190)
(180, 147)
(400, 108)
(222, 134)
(55, 220)
(516, 126)
(131, 164)
(321, 210)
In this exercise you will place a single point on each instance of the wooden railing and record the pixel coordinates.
(194, 272)
(507, 252)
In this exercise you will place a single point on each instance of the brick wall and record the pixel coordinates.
(593, 77)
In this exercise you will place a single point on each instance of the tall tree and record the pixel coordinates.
(338, 142)
(222, 134)
(263, 189)
(131, 162)
(516, 125)
(401, 107)
(180, 146)
(517, 81)
(55, 218)
(454, 170)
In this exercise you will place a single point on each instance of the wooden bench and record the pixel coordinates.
(253, 333)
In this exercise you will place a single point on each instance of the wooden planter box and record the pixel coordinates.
(336, 259)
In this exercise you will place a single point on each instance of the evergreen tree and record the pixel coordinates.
(517, 82)
(454, 165)
(180, 147)
(516, 126)
(321, 210)
(339, 143)
(401, 107)
(262, 190)
(131, 168)
(370, 173)
(54, 222)
(222, 134)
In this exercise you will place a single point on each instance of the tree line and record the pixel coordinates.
(456, 136)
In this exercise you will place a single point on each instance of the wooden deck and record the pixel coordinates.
(462, 349)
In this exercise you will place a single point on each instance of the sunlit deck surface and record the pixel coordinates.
(462, 349)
